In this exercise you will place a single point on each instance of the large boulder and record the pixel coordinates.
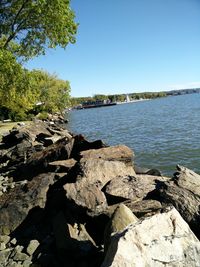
(27, 132)
(132, 187)
(164, 239)
(120, 219)
(16, 204)
(183, 191)
(113, 153)
(93, 174)
(38, 161)
(145, 207)
(81, 144)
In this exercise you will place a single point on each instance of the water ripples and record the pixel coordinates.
(162, 132)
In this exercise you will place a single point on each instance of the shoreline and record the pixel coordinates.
(62, 198)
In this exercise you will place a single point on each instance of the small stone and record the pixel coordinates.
(6, 230)
(11, 185)
(33, 245)
(13, 241)
(2, 246)
(19, 256)
(18, 248)
(6, 178)
(11, 263)
(4, 254)
(4, 189)
(4, 239)
(27, 263)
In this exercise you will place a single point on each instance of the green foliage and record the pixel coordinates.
(18, 90)
(36, 25)
(27, 28)
(100, 97)
(118, 97)
(54, 92)
(43, 115)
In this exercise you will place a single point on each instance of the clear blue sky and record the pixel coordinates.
(126, 46)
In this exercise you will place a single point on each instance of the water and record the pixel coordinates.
(162, 132)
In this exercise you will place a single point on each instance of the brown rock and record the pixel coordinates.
(112, 153)
(134, 188)
(102, 171)
(16, 204)
(183, 191)
(62, 165)
(142, 208)
(93, 175)
(38, 161)
(81, 144)
(86, 195)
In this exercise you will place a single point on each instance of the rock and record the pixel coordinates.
(112, 153)
(93, 174)
(4, 255)
(13, 241)
(71, 236)
(131, 187)
(4, 239)
(18, 153)
(81, 144)
(19, 256)
(62, 165)
(15, 137)
(73, 242)
(162, 240)
(16, 204)
(38, 161)
(183, 191)
(92, 171)
(140, 170)
(141, 208)
(145, 207)
(88, 196)
(120, 219)
(21, 124)
(55, 131)
(2, 246)
(27, 263)
(51, 140)
(32, 246)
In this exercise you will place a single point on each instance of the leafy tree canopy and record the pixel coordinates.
(35, 25)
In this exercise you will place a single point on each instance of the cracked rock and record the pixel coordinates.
(164, 239)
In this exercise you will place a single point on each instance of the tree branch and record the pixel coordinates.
(13, 30)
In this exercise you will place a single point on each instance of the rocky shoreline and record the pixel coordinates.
(65, 201)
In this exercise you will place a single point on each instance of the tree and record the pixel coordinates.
(36, 25)
(53, 92)
(100, 97)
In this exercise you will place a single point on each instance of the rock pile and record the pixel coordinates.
(65, 201)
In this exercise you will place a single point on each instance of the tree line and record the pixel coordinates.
(27, 29)
(118, 97)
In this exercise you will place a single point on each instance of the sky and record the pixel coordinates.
(127, 46)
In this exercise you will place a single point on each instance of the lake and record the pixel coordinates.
(162, 133)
